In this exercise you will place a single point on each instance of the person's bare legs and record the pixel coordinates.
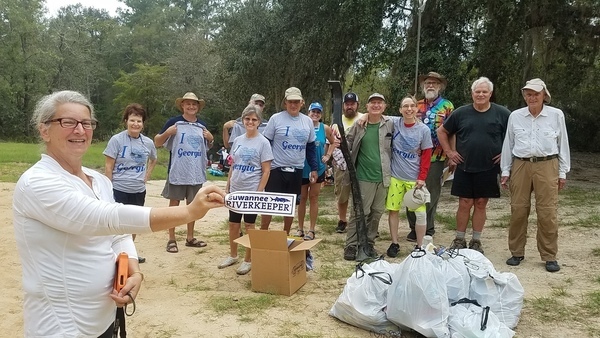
(265, 221)
(393, 221)
(463, 213)
(234, 233)
(479, 214)
(302, 207)
(343, 211)
(420, 230)
(190, 226)
(248, 255)
(173, 203)
(313, 195)
(287, 224)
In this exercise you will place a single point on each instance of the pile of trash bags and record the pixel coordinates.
(438, 293)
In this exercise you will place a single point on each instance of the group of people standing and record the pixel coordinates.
(483, 143)
(64, 213)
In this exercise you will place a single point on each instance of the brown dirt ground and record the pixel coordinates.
(179, 288)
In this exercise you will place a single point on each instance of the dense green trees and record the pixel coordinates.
(156, 50)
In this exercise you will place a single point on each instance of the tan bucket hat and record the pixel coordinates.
(189, 96)
(537, 85)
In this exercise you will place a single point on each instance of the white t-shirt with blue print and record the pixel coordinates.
(131, 161)
(188, 154)
(289, 136)
(248, 156)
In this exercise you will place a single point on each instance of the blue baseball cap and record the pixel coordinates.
(315, 105)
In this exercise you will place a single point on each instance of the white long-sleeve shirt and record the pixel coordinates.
(544, 135)
(67, 240)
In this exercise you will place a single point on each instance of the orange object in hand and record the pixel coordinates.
(122, 271)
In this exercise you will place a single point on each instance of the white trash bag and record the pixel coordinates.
(502, 292)
(418, 297)
(454, 273)
(469, 320)
(364, 298)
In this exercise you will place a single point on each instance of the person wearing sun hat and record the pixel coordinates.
(311, 190)
(433, 111)
(292, 136)
(536, 158)
(188, 140)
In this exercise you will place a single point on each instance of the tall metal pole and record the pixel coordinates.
(419, 14)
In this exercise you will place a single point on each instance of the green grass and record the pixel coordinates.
(550, 309)
(448, 220)
(18, 157)
(244, 307)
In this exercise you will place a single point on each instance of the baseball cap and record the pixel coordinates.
(538, 85)
(257, 97)
(293, 93)
(351, 97)
(376, 96)
(414, 198)
(315, 105)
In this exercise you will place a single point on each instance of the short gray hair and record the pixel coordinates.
(45, 109)
(252, 109)
(481, 80)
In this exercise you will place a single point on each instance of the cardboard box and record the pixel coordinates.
(276, 267)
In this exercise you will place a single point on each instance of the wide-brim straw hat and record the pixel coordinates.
(189, 96)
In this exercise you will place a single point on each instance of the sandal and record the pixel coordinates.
(195, 243)
(172, 246)
(308, 236)
(300, 233)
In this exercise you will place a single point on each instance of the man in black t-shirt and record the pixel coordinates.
(479, 129)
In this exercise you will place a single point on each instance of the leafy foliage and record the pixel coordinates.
(154, 51)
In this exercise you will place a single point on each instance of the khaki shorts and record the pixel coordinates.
(180, 192)
(341, 185)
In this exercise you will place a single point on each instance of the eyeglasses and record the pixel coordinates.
(72, 123)
(409, 106)
(431, 83)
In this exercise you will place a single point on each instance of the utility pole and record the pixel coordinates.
(420, 9)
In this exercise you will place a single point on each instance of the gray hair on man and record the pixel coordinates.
(481, 80)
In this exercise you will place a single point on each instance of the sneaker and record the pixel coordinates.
(228, 262)
(552, 266)
(392, 251)
(412, 236)
(341, 227)
(514, 260)
(350, 253)
(244, 268)
(475, 244)
(458, 243)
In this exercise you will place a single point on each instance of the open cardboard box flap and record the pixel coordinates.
(273, 240)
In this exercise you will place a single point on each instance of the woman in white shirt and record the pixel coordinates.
(69, 230)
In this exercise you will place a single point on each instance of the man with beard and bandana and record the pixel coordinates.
(433, 111)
